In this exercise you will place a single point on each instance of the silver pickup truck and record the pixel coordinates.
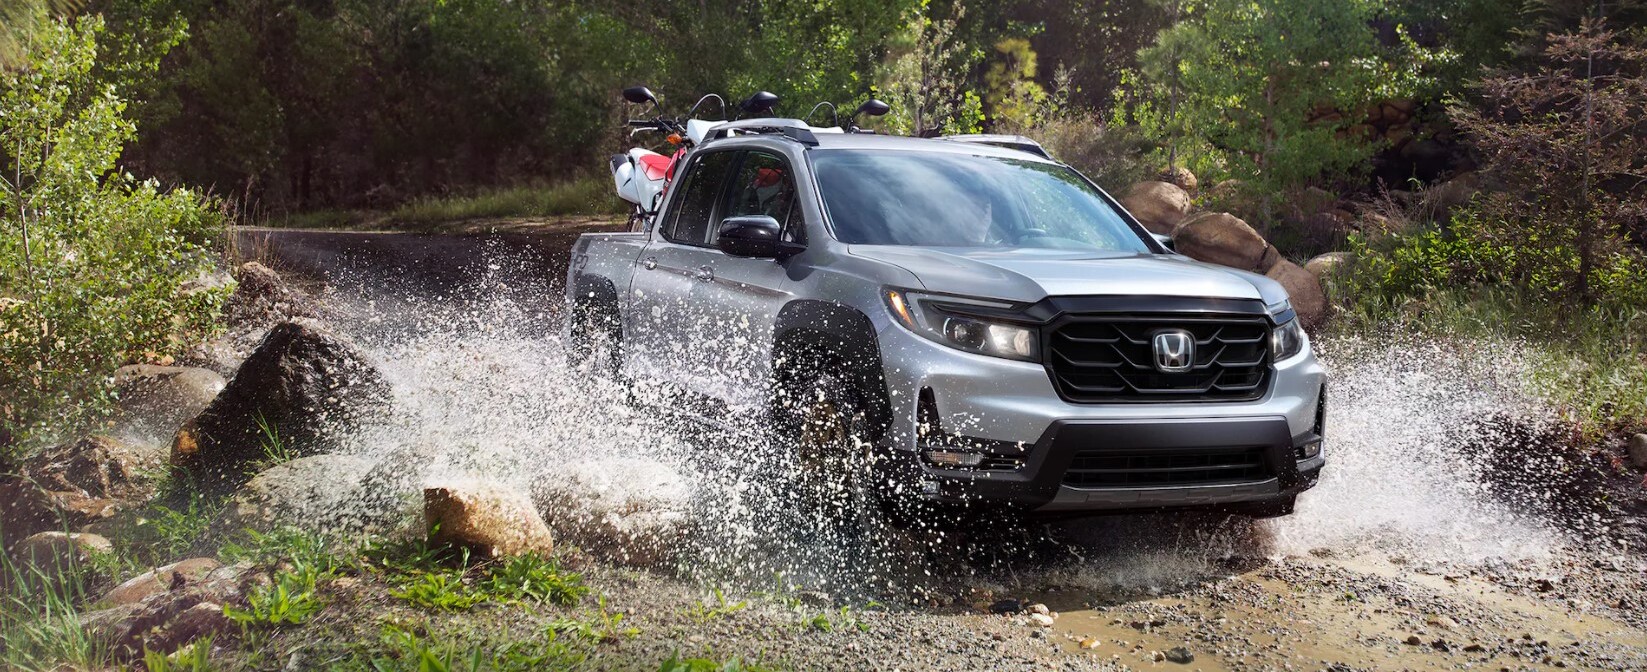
(955, 322)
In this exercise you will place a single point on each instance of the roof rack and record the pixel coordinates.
(794, 129)
(1017, 142)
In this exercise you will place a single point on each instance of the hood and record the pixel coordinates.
(1031, 274)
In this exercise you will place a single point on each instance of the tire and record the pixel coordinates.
(595, 339)
(1271, 509)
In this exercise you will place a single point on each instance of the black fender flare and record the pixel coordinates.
(593, 289)
(810, 331)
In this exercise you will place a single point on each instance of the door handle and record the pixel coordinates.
(650, 263)
(706, 274)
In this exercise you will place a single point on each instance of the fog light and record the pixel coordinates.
(1309, 450)
(950, 458)
(929, 487)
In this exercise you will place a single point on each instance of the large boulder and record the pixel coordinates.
(1222, 238)
(1159, 206)
(156, 400)
(305, 385)
(1304, 290)
(628, 511)
(489, 518)
(76, 484)
(319, 493)
(167, 619)
(161, 579)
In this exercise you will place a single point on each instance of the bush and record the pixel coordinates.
(94, 266)
(1113, 155)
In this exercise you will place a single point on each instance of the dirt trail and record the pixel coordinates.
(1398, 561)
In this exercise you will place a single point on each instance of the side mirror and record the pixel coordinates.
(873, 108)
(763, 102)
(1165, 241)
(639, 95)
(757, 236)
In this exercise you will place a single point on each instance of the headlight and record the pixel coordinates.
(949, 321)
(1287, 340)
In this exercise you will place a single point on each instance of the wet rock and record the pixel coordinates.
(489, 518)
(1159, 206)
(304, 383)
(633, 512)
(1303, 289)
(203, 619)
(1039, 608)
(161, 622)
(156, 400)
(53, 556)
(1040, 620)
(1637, 451)
(1006, 607)
(319, 493)
(1222, 238)
(75, 484)
(261, 295)
(170, 577)
(1323, 265)
(1089, 643)
(1180, 655)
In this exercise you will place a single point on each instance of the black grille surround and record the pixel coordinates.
(1112, 468)
(1109, 357)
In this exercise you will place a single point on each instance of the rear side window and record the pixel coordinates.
(689, 225)
(764, 185)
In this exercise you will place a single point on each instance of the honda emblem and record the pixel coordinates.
(1174, 351)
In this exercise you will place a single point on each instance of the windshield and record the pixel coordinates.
(937, 199)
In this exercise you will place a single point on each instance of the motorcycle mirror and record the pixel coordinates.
(761, 103)
(639, 95)
(873, 108)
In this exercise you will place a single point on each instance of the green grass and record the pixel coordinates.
(590, 196)
(39, 616)
(1590, 362)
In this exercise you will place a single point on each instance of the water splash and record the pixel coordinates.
(483, 389)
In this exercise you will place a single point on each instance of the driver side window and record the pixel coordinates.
(764, 185)
(689, 223)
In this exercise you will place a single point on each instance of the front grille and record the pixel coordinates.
(1108, 358)
(1159, 467)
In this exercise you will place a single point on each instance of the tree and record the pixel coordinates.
(925, 76)
(19, 19)
(1568, 143)
(94, 265)
(1011, 95)
(1252, 78)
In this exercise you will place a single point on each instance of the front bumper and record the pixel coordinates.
(1012, 409)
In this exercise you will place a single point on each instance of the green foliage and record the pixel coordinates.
(444, 591)
(925, 76)
(533, 577)
(196, 657)
(1013, 98)
(284, 545)
(604, 625)
(41, 622)
(592, 195)
(94, 264)
(501, 651)
(677, 664)
(1244, 88)
(290, 598)
(705, 611)
(176, 528)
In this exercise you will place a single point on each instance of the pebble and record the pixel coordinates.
(1414, 640)
(1040, 620)
(1039, 608)
(1180, 655)
(1089, 643)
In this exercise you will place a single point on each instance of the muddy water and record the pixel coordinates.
(1406, 525)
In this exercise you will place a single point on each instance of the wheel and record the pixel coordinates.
(595, 339)
(827, 430)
